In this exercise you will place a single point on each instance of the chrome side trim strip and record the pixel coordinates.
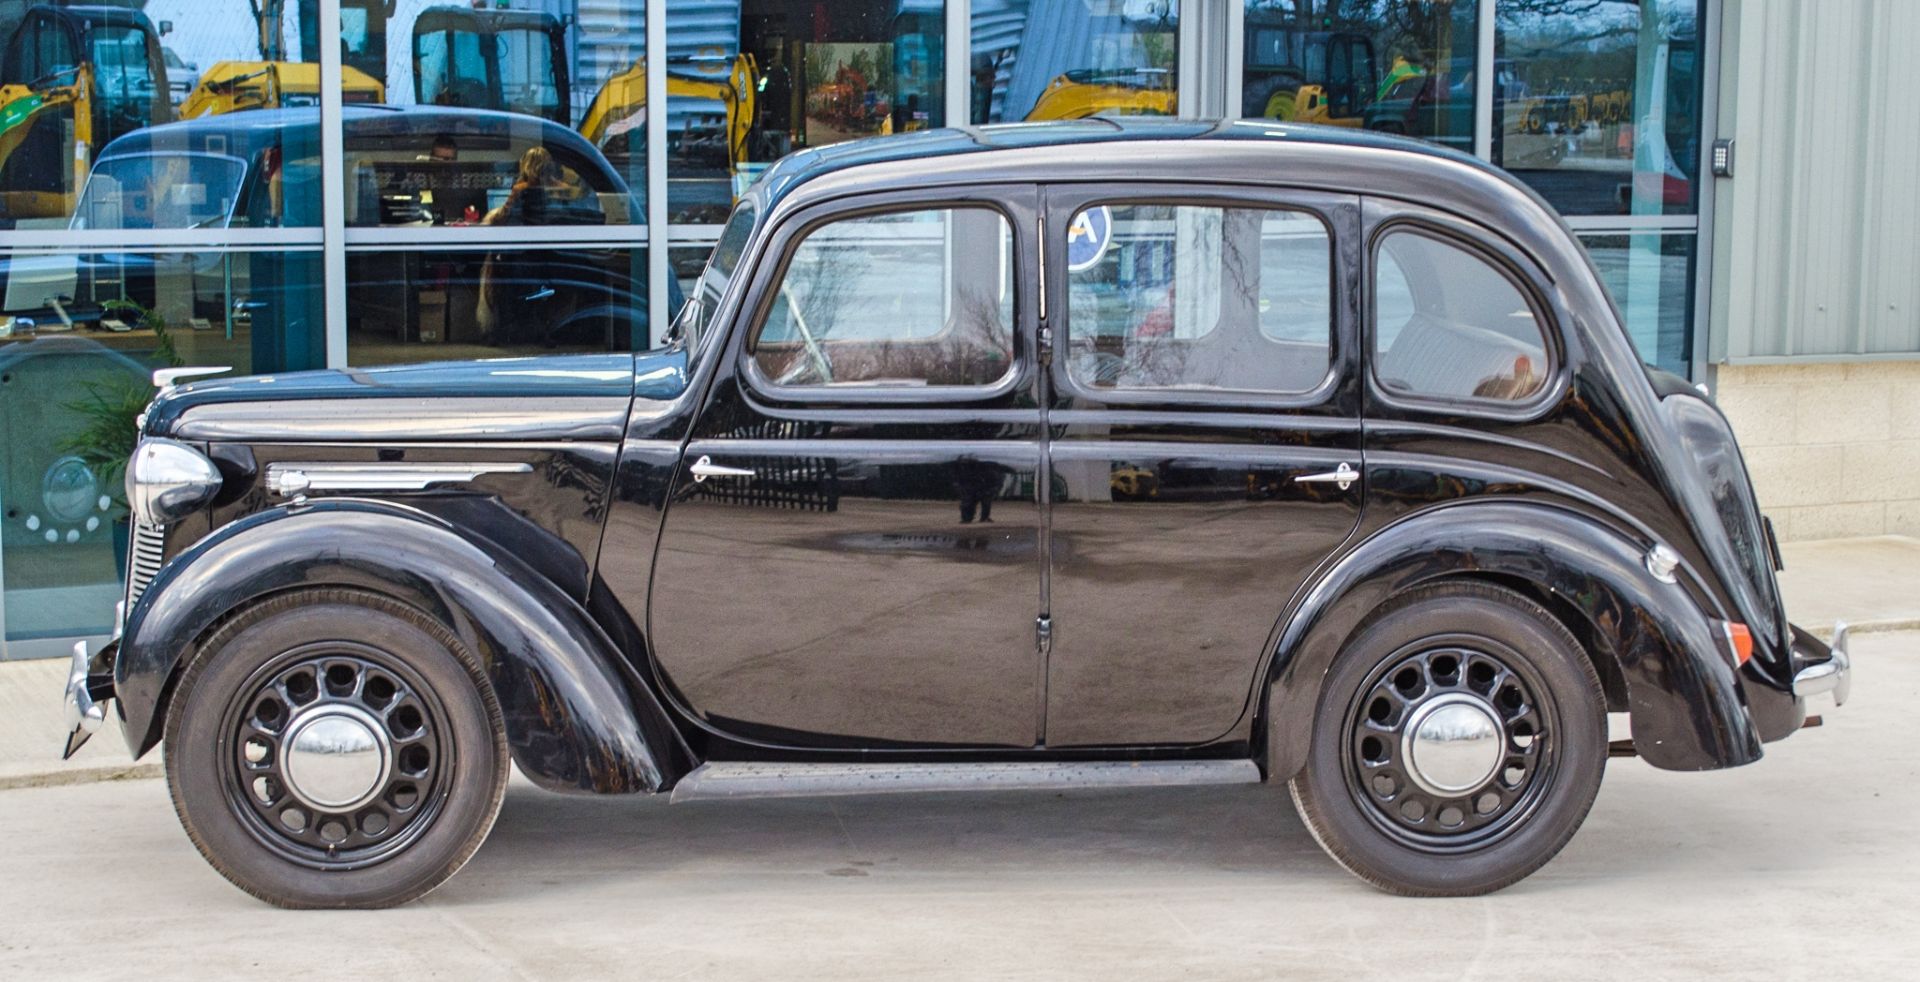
(731, 779)
(408, 420)
(288, 479)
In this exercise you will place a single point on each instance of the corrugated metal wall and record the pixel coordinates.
(1817, 234)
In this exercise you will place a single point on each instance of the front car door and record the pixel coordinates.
(850, 556)
(1205, 400)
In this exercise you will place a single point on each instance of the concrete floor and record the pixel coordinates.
(1801, 866)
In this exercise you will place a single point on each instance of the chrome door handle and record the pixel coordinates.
(705, 468)
(1343, 475)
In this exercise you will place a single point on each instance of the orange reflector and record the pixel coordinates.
(1740, 640)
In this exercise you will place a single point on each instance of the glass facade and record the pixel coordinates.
(1068, 59)
(1397, 66)
(164, 198)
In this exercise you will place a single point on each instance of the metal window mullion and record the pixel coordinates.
(333, 198)
(1235, 57)
(959, 73)
(658, 268)
(1484, 71)
(1186, 78)
(1699, 345)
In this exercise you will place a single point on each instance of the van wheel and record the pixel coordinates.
(335, 748)
(1458, 743)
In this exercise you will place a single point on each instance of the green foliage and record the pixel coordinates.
(108, 413)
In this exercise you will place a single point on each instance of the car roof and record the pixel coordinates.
(1154, 149)
(255, 129)
(1136, 140)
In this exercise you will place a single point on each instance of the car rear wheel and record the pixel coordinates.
(335, 748)
(1459, 742)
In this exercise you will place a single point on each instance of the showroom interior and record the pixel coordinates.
(276, 185)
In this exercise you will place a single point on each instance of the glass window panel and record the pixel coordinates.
(431, 166)
(1069, 59)
(82, 336)
(529, 115)
(1201, 298)
(749, 82)
(433, 305)
(1651, 278)
(1397, 66)
(91, 85)
(703, 275)
(902, 299)
(1448, 324)
(1599, 103)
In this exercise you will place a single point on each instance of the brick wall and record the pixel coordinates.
(1834, 448)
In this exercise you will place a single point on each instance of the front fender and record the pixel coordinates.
(573, 720)
(1686, 702)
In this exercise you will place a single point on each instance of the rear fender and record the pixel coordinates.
(575, 720)
(1687, 706)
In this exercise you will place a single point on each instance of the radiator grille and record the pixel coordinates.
(143, 560)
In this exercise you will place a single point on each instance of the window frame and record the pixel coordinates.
(1338, 213)
(784, 235)
(1518, 269)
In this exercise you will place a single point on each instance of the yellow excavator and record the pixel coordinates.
(73, 78)
(618, 108)
(22, 107)
(1085, 92)
(231, 86)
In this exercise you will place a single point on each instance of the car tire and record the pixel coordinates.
(335, 748)
(1458, 742)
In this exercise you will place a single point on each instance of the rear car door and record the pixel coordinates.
(1205, 436)
(851, 553)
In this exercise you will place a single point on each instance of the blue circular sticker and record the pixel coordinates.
(1088, 236)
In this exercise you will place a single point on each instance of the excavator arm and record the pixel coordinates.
(620, 103)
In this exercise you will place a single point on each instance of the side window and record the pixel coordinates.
(1203, 298)
(1448, 324)
(910, 298)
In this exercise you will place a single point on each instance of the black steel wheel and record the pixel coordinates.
(1451, 743)
(1458, 744)
(335, 748)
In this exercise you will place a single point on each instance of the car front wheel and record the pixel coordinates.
(335, 748)
(1459, 741)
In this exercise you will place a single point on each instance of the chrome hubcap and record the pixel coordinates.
(337, 758)
(1452, 744)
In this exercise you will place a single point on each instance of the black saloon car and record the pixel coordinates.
(1091, 453)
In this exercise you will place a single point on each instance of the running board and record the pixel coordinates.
(726, 779)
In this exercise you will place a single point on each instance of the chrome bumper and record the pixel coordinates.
(1833, 675)
(85, 712)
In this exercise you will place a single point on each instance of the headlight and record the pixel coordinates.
(168, 480)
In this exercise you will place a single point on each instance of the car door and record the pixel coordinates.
(1205, 444)
(850, 556)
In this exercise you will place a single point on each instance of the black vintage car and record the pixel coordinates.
(1092, 453)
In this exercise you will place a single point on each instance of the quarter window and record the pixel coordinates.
(913, 298)
(1448, 324)
(1189, 297)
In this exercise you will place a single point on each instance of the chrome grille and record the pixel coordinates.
(143, 560)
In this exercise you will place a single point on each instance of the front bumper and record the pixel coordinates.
(1822, 668)
(88, 692)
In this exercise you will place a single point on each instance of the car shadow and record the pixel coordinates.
(1645, 824)
(547, 842)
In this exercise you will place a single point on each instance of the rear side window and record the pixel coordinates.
(1448, 324)
(912, 298)
(1199, 298)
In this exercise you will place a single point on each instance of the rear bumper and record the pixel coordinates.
(1822, 669)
